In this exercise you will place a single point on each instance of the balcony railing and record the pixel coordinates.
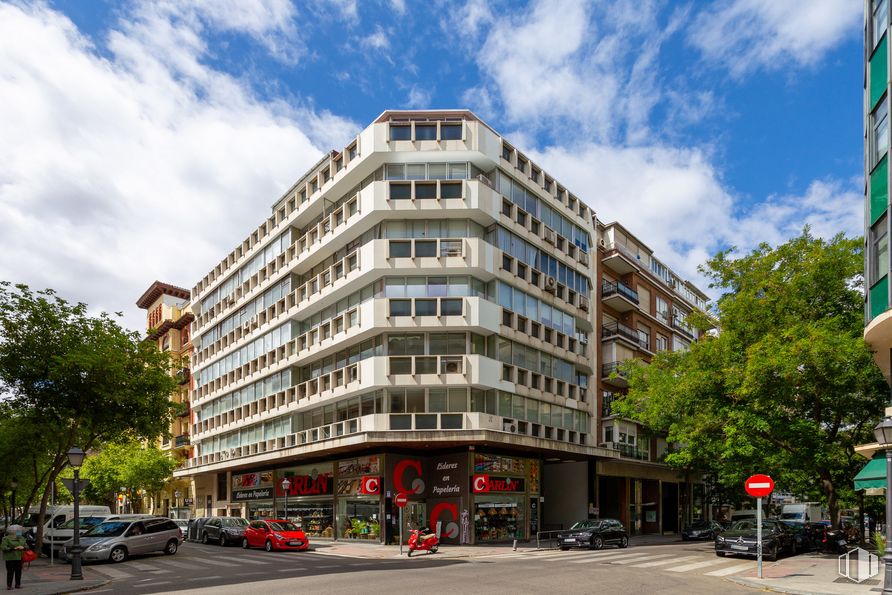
(683, 327)
(630, 451)
(181, 440)
(611, 367)
(618, 329)
(183, 376)
(609, 288)
(607, 401)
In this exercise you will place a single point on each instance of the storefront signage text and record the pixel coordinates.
(305, 485)
(255, 494)
(482, 483)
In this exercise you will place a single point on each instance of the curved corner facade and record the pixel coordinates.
(420, 314)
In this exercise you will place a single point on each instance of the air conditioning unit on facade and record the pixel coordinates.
(583, 257)
(550, 284)
(509, 426)
(602, 242)
(583, 340)
(549, 236)
(583, 303)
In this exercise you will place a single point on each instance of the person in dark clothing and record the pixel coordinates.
(13, 547)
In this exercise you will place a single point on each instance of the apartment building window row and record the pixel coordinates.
(428, 171)
(559, 193)
(879, 141)
(253, 434)
(415, 131)
(538, 259)
(536, 310)
(880, 21)
(433, 286)
(435, 228)
(268, 255)
(540, 362)
(246, 354)
(536, 207)
(879, 250)
(246, 395)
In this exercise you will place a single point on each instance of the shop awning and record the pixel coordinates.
(873, 475)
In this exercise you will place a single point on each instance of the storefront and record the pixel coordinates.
(359, 498)
(505, 497)
(310, 498)
(256, 490)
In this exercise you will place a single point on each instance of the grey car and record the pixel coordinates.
(117, 540)
(224, 530)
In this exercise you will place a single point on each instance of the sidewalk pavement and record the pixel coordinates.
(43, 579)
(811, 574)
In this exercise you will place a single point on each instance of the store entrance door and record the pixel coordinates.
(414, 517)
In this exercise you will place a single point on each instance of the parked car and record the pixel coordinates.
(741, 539)
(224, 530)
(274, 535)
(803, 536)
(195, 527)
(701, 530)
(119, 539)
(595, 534)
(183, 524)
(57, 537)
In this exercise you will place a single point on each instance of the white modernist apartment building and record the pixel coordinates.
(421, 313)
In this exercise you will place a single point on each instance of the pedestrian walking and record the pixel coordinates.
(13, 547)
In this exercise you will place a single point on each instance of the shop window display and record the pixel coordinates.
(316, 519)
(498, 518)
(358, 518)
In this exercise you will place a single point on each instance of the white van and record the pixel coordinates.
(804, 512)
(57, 515)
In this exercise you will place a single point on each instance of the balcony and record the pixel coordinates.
(185, 410)
(181, 441)
(630, 451)
(607, 401)
(612, 330)
(679, 324)
(619, 296)
(620, 259)
(183, 375)
(612, 374)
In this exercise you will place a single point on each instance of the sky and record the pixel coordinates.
(143, 141)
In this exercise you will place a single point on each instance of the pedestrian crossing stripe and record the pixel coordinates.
(696, 565)
(634, 560)
(731, 569)
(664, 562)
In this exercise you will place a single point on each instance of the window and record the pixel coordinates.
(608, 434)
(450, 190)
(400, 307)
(450, 131)
(880, 120)
(426, 190)
(450, 247)
(400, 192)
(880, 19)
(506, 153)
(400, 249)
(400, 365)
(879, 241)
(662, 343)
(450, 307)
(425, 307)
(662, 310)
(400, 132)
(425, 132)
(425, 248)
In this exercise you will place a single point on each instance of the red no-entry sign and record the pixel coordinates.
(759, 486)
(401, 499)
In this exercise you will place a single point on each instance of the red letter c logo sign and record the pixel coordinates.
(480, 483)
(399, 470)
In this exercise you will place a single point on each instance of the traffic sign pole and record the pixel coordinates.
(401, 530)
(759, 535)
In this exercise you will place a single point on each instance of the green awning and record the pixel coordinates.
(873, 475)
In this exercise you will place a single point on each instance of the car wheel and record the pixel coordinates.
(720, 554)
(204, 538)
(118, 554)
(269, 545)
(684, 537)
(597, 542)
(434, 549)
(223, 541)
(623, 542)
(171, 547)
(245, 543)
(564, 549)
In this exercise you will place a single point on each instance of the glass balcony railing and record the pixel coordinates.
(609, 288)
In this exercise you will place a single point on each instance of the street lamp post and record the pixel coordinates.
(286, 485)
(176, 501)
(75, 460)
(883, 434)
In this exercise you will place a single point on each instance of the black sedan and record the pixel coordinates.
(594, 534)
(803, 536)
(701, 530)
(741, 539)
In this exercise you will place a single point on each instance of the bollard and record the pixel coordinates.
(515, 545)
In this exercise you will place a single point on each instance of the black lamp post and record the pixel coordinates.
(883, 434)
(176, 502)
(286, 485)
(75, 460)
(14, 484)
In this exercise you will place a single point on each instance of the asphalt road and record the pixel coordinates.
(678, 568)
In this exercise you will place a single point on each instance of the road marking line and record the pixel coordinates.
(696, 565)
(159, 571)
(141, 566)
(639, 559)
(178, 564)
(663, 562)
(216, 562)
(114, 573)
(205, 578)
(731, 569)
(591, 559)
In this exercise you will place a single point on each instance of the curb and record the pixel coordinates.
(75, 590)
(755, 584)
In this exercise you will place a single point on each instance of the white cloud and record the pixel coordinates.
(398, 6)
(418, 98)
(747, 35)
(376, 40)
(145, 164)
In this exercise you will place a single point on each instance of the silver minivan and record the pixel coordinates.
(116, 540)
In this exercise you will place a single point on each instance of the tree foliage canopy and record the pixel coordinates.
(787, 386)
(129, 465)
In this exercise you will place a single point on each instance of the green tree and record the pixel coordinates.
(128, 465)
(77, 379)
(787, 387)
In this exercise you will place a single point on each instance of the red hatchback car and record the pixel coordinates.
(274, 535)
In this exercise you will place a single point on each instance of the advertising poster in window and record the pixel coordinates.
(252, 486)
(448, 496)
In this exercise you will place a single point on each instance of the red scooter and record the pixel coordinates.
(423, 540)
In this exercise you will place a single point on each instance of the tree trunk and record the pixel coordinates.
(829, 490)
(56, 469)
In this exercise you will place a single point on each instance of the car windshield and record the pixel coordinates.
(751, 526)
(234, 522)
(586, 525)
(110, 529)
(85, 523)
(792, 515)
(284, 526)
(700, 525)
